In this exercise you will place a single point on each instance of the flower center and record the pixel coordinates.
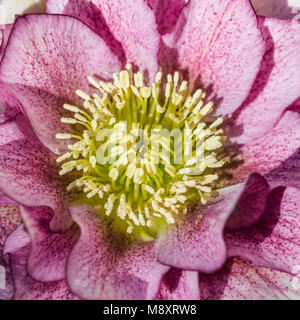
(145, 153)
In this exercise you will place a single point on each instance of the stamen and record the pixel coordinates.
(141, 185)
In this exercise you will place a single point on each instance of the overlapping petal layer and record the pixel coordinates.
(211, 38)
(166, 13)
(277, 84)
(46, 60)
(179, 285)
(270, 151)
(240, 280)
(197, 243)
(29, 173)
(96, 269)
(273, 241)
(17, 246)
(48, 250)
(127, 26)
(275, 8)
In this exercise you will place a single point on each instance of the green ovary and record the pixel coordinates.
(143, 154)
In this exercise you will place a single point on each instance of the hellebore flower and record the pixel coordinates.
(222, 223)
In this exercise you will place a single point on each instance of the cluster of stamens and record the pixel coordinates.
(130, 166)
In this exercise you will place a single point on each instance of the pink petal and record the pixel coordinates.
(268, 152)
(9, 105)
(252, 203)
(240, 280)
(127, 23)
(48, 251)
(287, 174)
(278, 82)
(274, 241)
(18, 246)
(6, 29)
(6, 201)
(274, 8)
(47, 58)
(99, 270)
(179, 285)
(90, 14)
(29, 175)
(219, 41)
(198, 244)
(166, 13)
(10, 132)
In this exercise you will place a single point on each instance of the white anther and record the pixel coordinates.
(93, 82)
(129, 229)
(135, 91)
(128, 66)
(138, 176)
(158, 77)
(83, 166)
(185, 171)
(69, 164)
(80, 117)
(134, 218)
(142, 220)
(204, 188)
(109, 204)
(149, 223)
(130, 170)
(180, 198)
(100, 194)
(92, 193)
(94, 124)
(177, 99)
(198, 107)
(65, 170)
(113, 174)
(168, 90)
(63, 136)
(170, 170)
(147, 212)
(208, 179)
(64, 157)
(176, 78)
(120, 105)
(117, 81)
(160, 109)
(213, 143)
(71, 185)
(124, 80)
(138, 80)
(196, 96)
(207, 108)
(68, 120)
(149, 189)
(93, 161)
(216, 123)
(183, 86)
(117, 150)
(71, 108)
(82, 95)
(190, 183)
(146, 92)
